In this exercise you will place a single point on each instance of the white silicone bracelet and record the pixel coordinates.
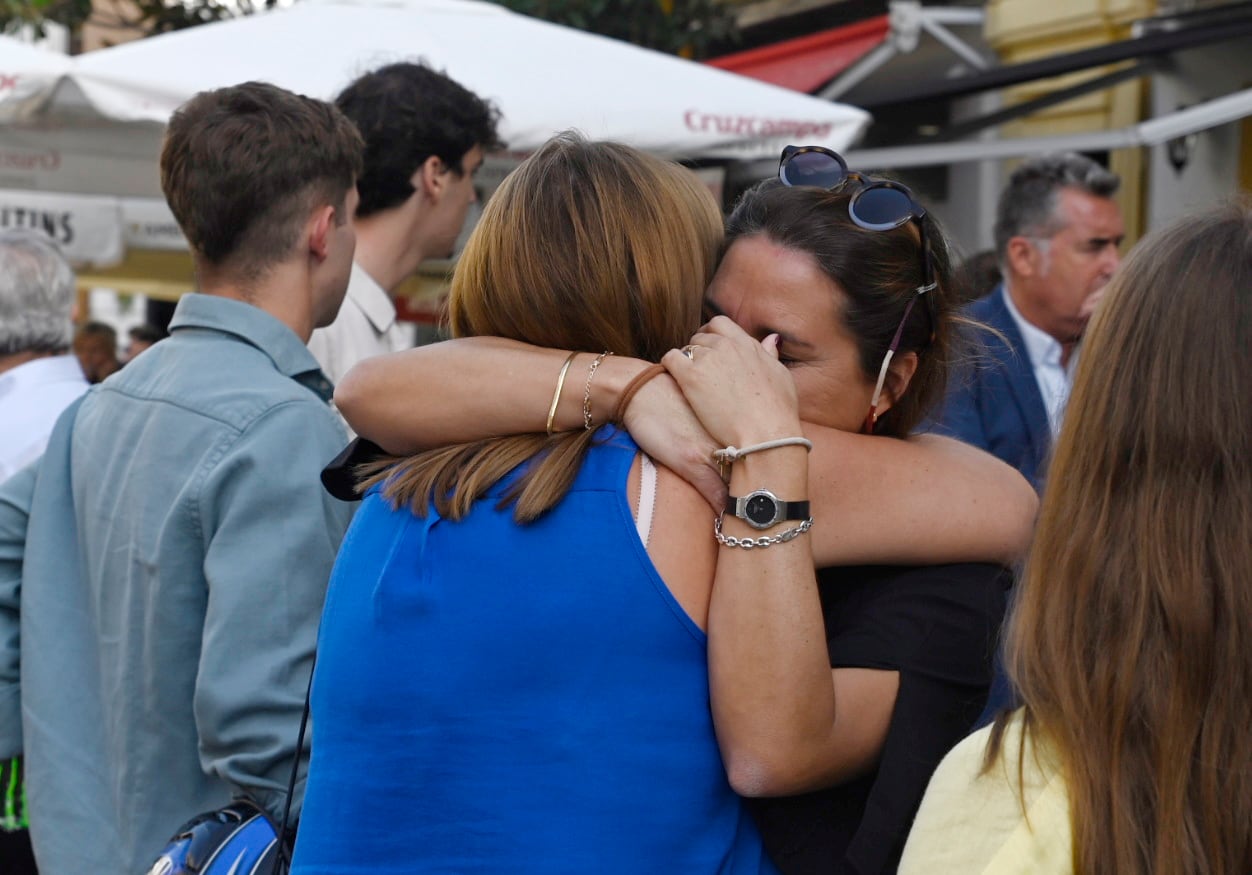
(727, 455)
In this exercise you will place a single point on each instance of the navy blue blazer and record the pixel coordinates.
(994, 401)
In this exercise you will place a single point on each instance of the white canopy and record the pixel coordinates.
(27, 72)
(86, 131)
(545, 78)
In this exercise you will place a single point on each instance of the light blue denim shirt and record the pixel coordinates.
(177, 547)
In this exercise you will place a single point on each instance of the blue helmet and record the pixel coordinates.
(239, 839)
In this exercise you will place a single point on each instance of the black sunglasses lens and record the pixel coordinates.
(881, 207)
(812, 168)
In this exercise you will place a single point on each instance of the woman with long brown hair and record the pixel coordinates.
(1130, 642)
(512, 670)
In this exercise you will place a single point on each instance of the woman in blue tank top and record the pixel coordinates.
(512, 669)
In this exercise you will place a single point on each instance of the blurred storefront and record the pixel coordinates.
(1160, 92)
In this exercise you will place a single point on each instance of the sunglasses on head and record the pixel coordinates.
(878, 205)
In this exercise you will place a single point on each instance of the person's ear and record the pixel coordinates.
(899, 374)
(430, 179)
(320, 225)
(1022, 256)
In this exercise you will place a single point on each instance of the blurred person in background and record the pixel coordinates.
(425, 137)
(142, 337)
(978, 276)
(95, 344)
(1130, 641)
(1057, 235)
(39, 378)
(170, 551)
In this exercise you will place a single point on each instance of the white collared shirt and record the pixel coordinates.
(32, 396)
(1044, 352)
(365, 327)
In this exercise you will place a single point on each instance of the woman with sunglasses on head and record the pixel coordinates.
(864, 310)
(845, 299)
(1130, 638)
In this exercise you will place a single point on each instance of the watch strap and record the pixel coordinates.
(791, 510)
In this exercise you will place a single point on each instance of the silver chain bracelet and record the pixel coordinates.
(764, 540)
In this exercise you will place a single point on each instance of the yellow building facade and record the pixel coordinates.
(1153, 189)
(1027, 30)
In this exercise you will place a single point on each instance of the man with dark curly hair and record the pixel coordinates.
(425, 136)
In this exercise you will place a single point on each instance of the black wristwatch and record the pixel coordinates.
(762, 509)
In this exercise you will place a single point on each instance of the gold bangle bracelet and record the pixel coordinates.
(560, 384)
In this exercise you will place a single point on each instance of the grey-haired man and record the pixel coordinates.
(1057, 235)
(39, 377)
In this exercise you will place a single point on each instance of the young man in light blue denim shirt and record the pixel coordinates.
(169, 554)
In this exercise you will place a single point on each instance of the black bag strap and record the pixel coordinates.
(282, 862)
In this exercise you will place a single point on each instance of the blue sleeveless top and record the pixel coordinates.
(496, 698)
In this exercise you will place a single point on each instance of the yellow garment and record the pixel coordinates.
(973, 824)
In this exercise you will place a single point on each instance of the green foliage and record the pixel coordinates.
(160, 16)
(152, 16)
(684, 27)
(16, 14)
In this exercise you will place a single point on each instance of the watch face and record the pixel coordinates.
(760, 509)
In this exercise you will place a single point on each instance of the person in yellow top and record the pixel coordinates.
(1005, 820)
(1129, 643)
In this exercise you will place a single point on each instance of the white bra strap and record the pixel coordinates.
(647, 497)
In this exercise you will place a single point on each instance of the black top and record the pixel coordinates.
(938, 626)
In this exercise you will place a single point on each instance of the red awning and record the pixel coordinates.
(808, 62)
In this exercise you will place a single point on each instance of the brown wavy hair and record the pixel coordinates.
(241, 167)
(590, 246)
(1131, 638)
